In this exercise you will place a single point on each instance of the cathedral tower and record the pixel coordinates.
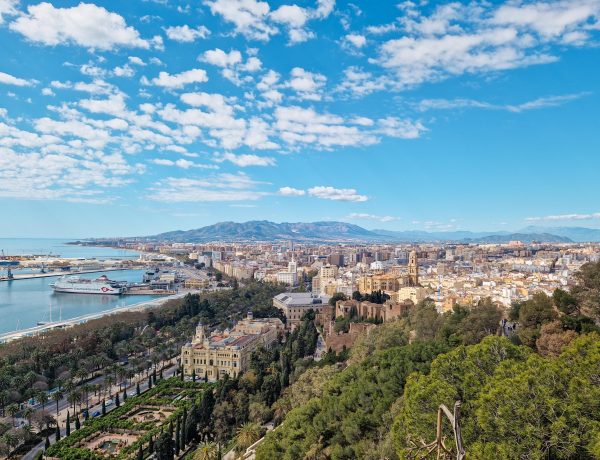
(413, 269)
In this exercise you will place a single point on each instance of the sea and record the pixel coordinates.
(25, 302)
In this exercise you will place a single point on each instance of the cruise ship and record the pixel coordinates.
(77, 285)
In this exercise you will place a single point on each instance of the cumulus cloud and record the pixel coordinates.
(356, 40)
(8, 79)
(245, 160)
(298, 125)
(185, 34)
(86, 25)
(249, 17)
(404, 129)
(290, 191)
(307, 85)
(336, 194)
(181, 163)
(175, 81)
(221, 58)
(467, 38)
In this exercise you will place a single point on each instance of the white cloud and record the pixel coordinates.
(294, 18)
(324, 8)
(8, 8)
(290, 15)
(290, 191)
(297, 125)
(356, 215)
(356, 40)
(565, 217)
(248, 16)
(181, 163)
(307, 85)
(245, 160)
(86, 25)
(185, 34)
(123, 71)
(336, 194)
(541, 102)
(358, 83)
(136, 61)
(404, 129)
(220, 58)
(179, 80)
(221, 187)
(8, 79)
(477, 38)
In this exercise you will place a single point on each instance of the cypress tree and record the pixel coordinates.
(68, 427)
(140, 455)
(103, 407)
(47, 443)
(117, 401)
(160, 375)
(77, 423)
(177, 436)
(149, 381)
(124, 395)
(151, 444)
(57, 432)
(137, 389)
(194, 375)
(181, 373)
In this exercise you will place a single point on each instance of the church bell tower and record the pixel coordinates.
(413, 269)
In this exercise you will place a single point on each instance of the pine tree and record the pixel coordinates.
(68, 427)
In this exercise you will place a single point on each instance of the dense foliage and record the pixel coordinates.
(31, 366)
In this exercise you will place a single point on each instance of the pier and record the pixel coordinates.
(28, 276)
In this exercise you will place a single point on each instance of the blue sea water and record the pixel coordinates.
(59, 247)
(23, 303)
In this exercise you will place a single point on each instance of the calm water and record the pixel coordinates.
(24, 246)
(25, 302)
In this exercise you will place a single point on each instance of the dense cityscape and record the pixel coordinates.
(299, 230)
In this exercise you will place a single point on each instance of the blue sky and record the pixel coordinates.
(129, 118)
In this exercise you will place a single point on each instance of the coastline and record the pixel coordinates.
(32, 331)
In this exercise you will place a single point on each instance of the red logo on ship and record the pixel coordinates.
(105, 289)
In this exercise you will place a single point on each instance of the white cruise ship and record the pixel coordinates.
(77, 285)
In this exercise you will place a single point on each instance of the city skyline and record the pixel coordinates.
(134, 119)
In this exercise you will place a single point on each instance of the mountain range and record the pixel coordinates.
(331, 231)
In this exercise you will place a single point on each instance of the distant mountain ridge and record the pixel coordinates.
(332, 231)
(577, 234)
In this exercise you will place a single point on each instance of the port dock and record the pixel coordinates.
(28, 276)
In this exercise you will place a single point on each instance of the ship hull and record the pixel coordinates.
(91, 291)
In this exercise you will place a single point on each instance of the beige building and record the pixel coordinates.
(295, 304)
(228, 352)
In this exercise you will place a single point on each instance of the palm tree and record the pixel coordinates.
(207, 451)
(12, 410)
(247, 434)
(56, 397)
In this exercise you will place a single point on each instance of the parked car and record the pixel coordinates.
(96, 414)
